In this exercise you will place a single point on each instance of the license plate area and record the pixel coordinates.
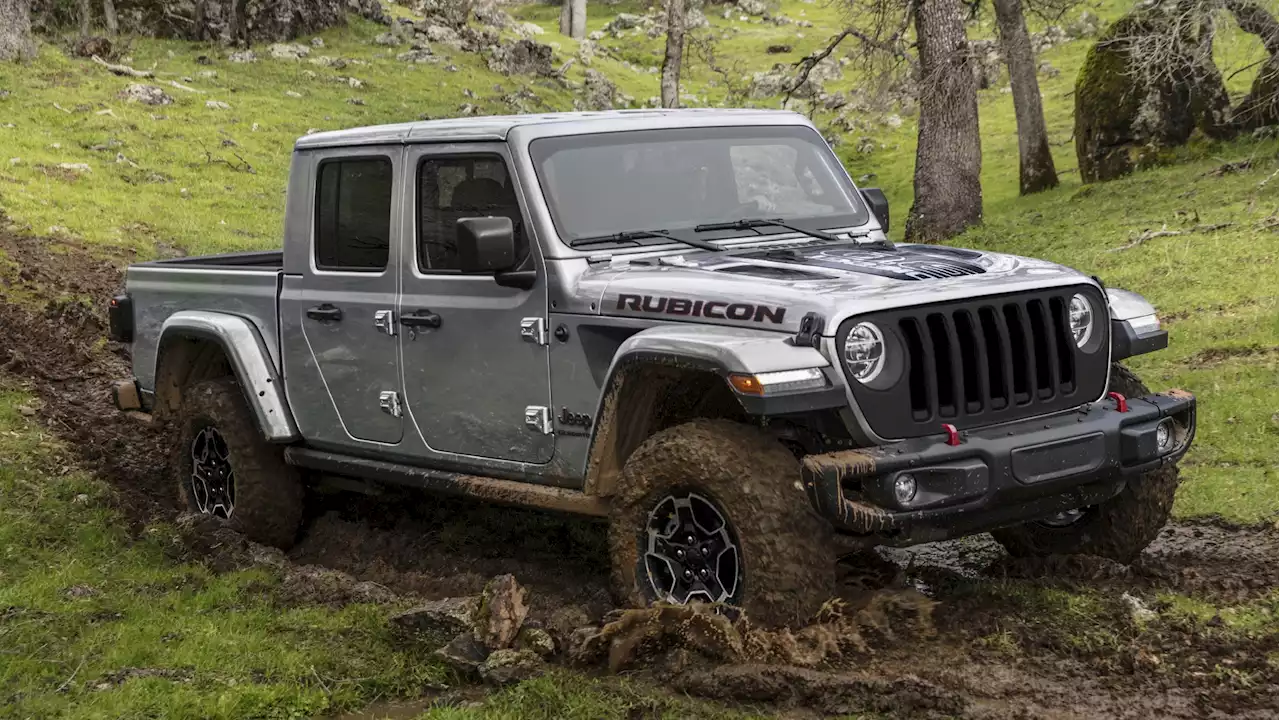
(1060, 458)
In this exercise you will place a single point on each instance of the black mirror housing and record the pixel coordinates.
(879, 205)
(486, 244)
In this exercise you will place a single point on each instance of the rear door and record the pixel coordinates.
(344, 385)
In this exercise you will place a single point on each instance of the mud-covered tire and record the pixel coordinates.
(268, 492)
(1119, 528)
(788, 565)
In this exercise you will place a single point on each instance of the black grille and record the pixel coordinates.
(980, 362)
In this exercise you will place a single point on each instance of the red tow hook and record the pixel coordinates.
(1122, 405)
(953, 435)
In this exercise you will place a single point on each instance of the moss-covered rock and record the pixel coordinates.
(1126, 113)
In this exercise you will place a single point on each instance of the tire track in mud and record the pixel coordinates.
(427, 547)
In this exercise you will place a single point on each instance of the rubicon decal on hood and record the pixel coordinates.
(702, 308)
(900, 264)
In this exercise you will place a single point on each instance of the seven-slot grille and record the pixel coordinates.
(982, 361)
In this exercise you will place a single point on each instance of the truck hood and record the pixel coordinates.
(772, 288)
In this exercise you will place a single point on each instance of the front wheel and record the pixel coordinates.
(1119, 528)
(225, 468)
(712, 511)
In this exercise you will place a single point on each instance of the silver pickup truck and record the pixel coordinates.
(690, 323)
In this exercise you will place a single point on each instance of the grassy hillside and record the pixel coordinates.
(88, 613)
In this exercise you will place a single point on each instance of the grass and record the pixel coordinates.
(79, 600)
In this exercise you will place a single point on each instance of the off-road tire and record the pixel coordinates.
(788, 562)
(1119, 528)
(268, 491)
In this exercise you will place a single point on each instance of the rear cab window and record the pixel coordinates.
(353, 214)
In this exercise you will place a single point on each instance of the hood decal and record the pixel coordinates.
(902, 263)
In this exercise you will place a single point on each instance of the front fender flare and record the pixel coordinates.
(250, 360)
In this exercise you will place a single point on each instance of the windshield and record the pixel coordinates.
(676, 179)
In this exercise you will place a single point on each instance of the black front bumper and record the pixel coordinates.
(997, 476)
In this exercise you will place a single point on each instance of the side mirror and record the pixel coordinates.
(879, 205)
(486, 244)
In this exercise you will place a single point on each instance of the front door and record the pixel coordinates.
(344, 303)
(475, 383)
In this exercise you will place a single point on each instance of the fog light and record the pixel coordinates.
(904, 488)
(1164, 436)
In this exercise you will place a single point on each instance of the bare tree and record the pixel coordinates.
(15, 31)
(1035, 160)
(675, 53)
(948, 189)
(109, 16)
(85, 11)
(573, 19)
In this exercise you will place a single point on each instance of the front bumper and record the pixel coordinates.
(1000, 475)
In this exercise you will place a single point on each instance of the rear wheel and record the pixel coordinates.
(225, 469)
(1119, 528)
(712, 511)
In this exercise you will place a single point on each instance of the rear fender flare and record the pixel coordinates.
(250, 362)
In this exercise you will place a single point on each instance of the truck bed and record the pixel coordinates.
(246, 284)
(257, 260)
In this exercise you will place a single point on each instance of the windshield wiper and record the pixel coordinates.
(634, 236)
(753, 223)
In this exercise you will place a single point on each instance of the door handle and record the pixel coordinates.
(325, 313)
(420, 319)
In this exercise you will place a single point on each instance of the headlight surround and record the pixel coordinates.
(864, 352)
(1080, 316)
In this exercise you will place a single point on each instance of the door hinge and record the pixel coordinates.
(389, 401)
(538, 418)
(533, 330)
(385, 321)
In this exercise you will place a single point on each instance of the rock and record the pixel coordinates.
(695, 19)
(91, 45)
(207, 74)
(506, 667)
(292, 94)
(463, 654)
(866, 145)
(625, 21)
(490, 14)
(987, 62)
(535, 640)
(893, 120)
(145, 94)
(599, 93)
(439, 33)
(355, 101)
(216, 105)
(419, 55)
(317, 42)
(777, 80)
(326, 61)
(595, 35)
(528, 29)
(1086, 25)
(1137, 609)
(522, 57)
(243, 56)
(564, 620)
(586, 52)
(778, 49)
(288, 51)
(354, 83)
(753, 7)
(501, 612)
(435, 621)
(387, 39)
(1047, 69)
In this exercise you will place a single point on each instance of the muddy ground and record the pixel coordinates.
(976, 652)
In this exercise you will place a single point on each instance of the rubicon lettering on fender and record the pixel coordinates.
(700, 308)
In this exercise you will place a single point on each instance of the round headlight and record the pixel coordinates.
(1080, 314)
(864, 352)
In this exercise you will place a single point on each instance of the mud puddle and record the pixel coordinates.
(980, 656)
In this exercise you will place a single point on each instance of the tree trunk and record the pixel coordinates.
(86, 16)
(948, 190)
(15, 31)
(579, 13)
(1035, 161)
(566, 18)
(675, 54)
(1261, 107)
(109, 16)
(235, 18)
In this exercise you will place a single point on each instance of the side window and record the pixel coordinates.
(353, 214)
(457, 187)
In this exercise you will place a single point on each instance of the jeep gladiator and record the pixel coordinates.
(690, 323)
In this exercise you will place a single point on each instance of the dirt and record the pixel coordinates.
(935, 636)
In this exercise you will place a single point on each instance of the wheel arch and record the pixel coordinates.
(670, 374)
(201, 345)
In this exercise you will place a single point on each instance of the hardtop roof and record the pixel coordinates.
(496, 127)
